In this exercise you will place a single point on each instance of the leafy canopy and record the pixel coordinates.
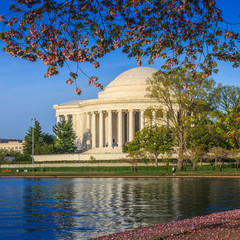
(153, 140)
(182, 98)
(225, 97)
(230, 125)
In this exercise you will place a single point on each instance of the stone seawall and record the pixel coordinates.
(83, 164)
(79, 157)
(120, 164)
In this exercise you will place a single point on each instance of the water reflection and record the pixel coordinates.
(82, 208)
(48, 209)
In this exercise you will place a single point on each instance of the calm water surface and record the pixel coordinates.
(78, 208)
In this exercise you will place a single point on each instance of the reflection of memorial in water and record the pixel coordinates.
(48, 208)
(83, 208)
(125, 204)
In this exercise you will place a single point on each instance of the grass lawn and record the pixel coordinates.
(120, 171)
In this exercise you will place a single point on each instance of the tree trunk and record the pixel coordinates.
(167, 167)
(156, 162)
(136, 167)
(180, 157)
(180, 165)
(194, 166)
(221, 166)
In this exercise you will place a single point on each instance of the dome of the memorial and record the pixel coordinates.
(129, 84)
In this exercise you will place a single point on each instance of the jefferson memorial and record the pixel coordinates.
(115, 116)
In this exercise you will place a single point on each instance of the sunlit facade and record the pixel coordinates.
(115, 116)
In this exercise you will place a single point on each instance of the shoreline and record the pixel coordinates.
(118, 176)
(221, 225)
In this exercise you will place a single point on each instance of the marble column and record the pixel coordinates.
(120, 128)
(77, 126)
(81, 124)
(58, 118)
(68, 117)
(101, 127)
(88, 131)
(93, 130)
(62, 117)
(141, 119)
(131, 127)
(74, 122)
(127, 126)
(154, 120)
(110, 128)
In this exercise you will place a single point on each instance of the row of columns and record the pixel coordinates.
(109, 137)
(67, 117)
(63, 117)
(91, 126)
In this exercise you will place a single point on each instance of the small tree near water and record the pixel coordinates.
(194, 154)
(156, 140)
(135, 153)
(153, 140)
(219, 154)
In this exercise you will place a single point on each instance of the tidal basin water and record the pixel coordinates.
(81, 208)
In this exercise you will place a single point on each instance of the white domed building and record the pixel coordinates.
(115, 116)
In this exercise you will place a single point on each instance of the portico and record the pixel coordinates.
(118, 126)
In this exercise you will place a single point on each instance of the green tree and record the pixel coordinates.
(48, 146)
(205, 134)
(64, 137)
(38, 139)
(48, 138)
(229, 128)
(229, 125)
(219, 154)
(135, 153)
(154, 140)
(23, 158)
(224, 98)
(43, 142)
(183, 102)
(3, 154)
(17, 156)
(201, 138)
(235, 154)
(194, 154)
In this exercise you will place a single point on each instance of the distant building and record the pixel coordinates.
(10, 144)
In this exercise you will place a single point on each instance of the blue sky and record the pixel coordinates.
(25, 93)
